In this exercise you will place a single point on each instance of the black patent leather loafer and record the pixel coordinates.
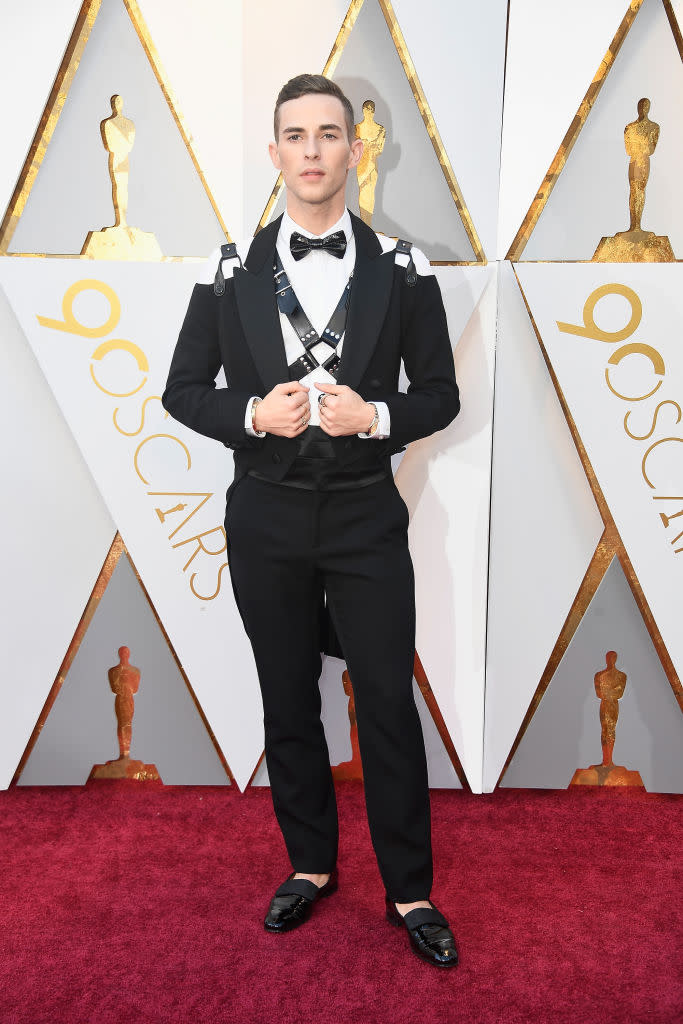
(430, 937)
(293, 902)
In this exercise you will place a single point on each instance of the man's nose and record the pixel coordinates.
(312, 148)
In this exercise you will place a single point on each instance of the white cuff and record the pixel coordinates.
(247, 420)
(384, 425)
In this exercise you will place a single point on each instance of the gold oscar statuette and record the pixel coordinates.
(347, 771)
(609, 687)
(373, 136)
(121, 241)
(637, 245)
(124, 680)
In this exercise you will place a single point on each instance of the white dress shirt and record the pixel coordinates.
(318, 281)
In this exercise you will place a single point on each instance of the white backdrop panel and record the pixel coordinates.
(200, 47)
(545, 526)
(207, 634)
(641, 475)
(445, 482)
(27, 71)
(53, 545)
(553, 53)
(459, 51)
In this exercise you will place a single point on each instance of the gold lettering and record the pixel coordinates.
(210, 597)
(644, 437)
(663, 440)
(164, 513)
(204, 495)
(636, 348)
(667, 519)
(591, 330)
(152, 437)
(71, 324)
(134, 433)
(122, 345)
(200, 544)
(662, 515)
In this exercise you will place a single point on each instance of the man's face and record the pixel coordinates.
(312, 149)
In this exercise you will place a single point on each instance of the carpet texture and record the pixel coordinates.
(128, 902)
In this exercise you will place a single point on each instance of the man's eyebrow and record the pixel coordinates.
(321, 128)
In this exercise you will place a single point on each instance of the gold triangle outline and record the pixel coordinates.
(56, 100)
(546, 187)
(116, 551)
(675, 27)
(609, 546)
(434, 710)
(427, 117)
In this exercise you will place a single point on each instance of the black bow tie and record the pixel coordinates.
(335, 244)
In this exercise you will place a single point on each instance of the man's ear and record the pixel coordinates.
(274, 155)
(356, 153)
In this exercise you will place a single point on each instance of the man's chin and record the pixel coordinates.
(315, 199)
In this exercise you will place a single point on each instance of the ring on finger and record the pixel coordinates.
(321, 401)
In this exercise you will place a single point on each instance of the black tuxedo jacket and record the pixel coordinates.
(388, 320)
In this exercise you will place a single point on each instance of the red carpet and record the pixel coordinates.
(131, 903)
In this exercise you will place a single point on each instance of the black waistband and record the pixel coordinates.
(307, 478)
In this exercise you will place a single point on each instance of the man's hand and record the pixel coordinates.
(282, 410)
(343, 411)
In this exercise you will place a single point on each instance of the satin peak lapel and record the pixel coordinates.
(258, 312)
(373, 277)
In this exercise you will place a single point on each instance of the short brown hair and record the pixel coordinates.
(302, 85)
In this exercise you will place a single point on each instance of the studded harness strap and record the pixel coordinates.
(289, 306)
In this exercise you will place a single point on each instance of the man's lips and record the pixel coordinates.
(312, 174)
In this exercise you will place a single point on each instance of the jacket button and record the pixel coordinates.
(374, 383)
(276, 458)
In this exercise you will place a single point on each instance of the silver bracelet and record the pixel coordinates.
(375, 421)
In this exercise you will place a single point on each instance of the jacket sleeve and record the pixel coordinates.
(432, 400)
(191, 395)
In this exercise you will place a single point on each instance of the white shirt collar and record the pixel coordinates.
(287, 226)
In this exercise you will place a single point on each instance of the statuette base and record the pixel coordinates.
(121, 243)
(125, 768)
(606, 775)
(634, 247)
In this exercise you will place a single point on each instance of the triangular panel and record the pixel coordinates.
(574, 217)
(110, 54)
(565, 733)
(80, 730)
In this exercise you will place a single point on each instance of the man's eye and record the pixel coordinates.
(293, 138)
(329, 135)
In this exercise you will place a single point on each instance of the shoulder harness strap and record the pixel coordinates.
(228, 252)
(403, 248)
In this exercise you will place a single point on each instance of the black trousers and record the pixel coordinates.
(285, 544)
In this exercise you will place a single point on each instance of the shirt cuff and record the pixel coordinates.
(384, 425)
(247, 420)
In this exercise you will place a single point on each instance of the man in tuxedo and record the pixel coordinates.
(310, 321)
